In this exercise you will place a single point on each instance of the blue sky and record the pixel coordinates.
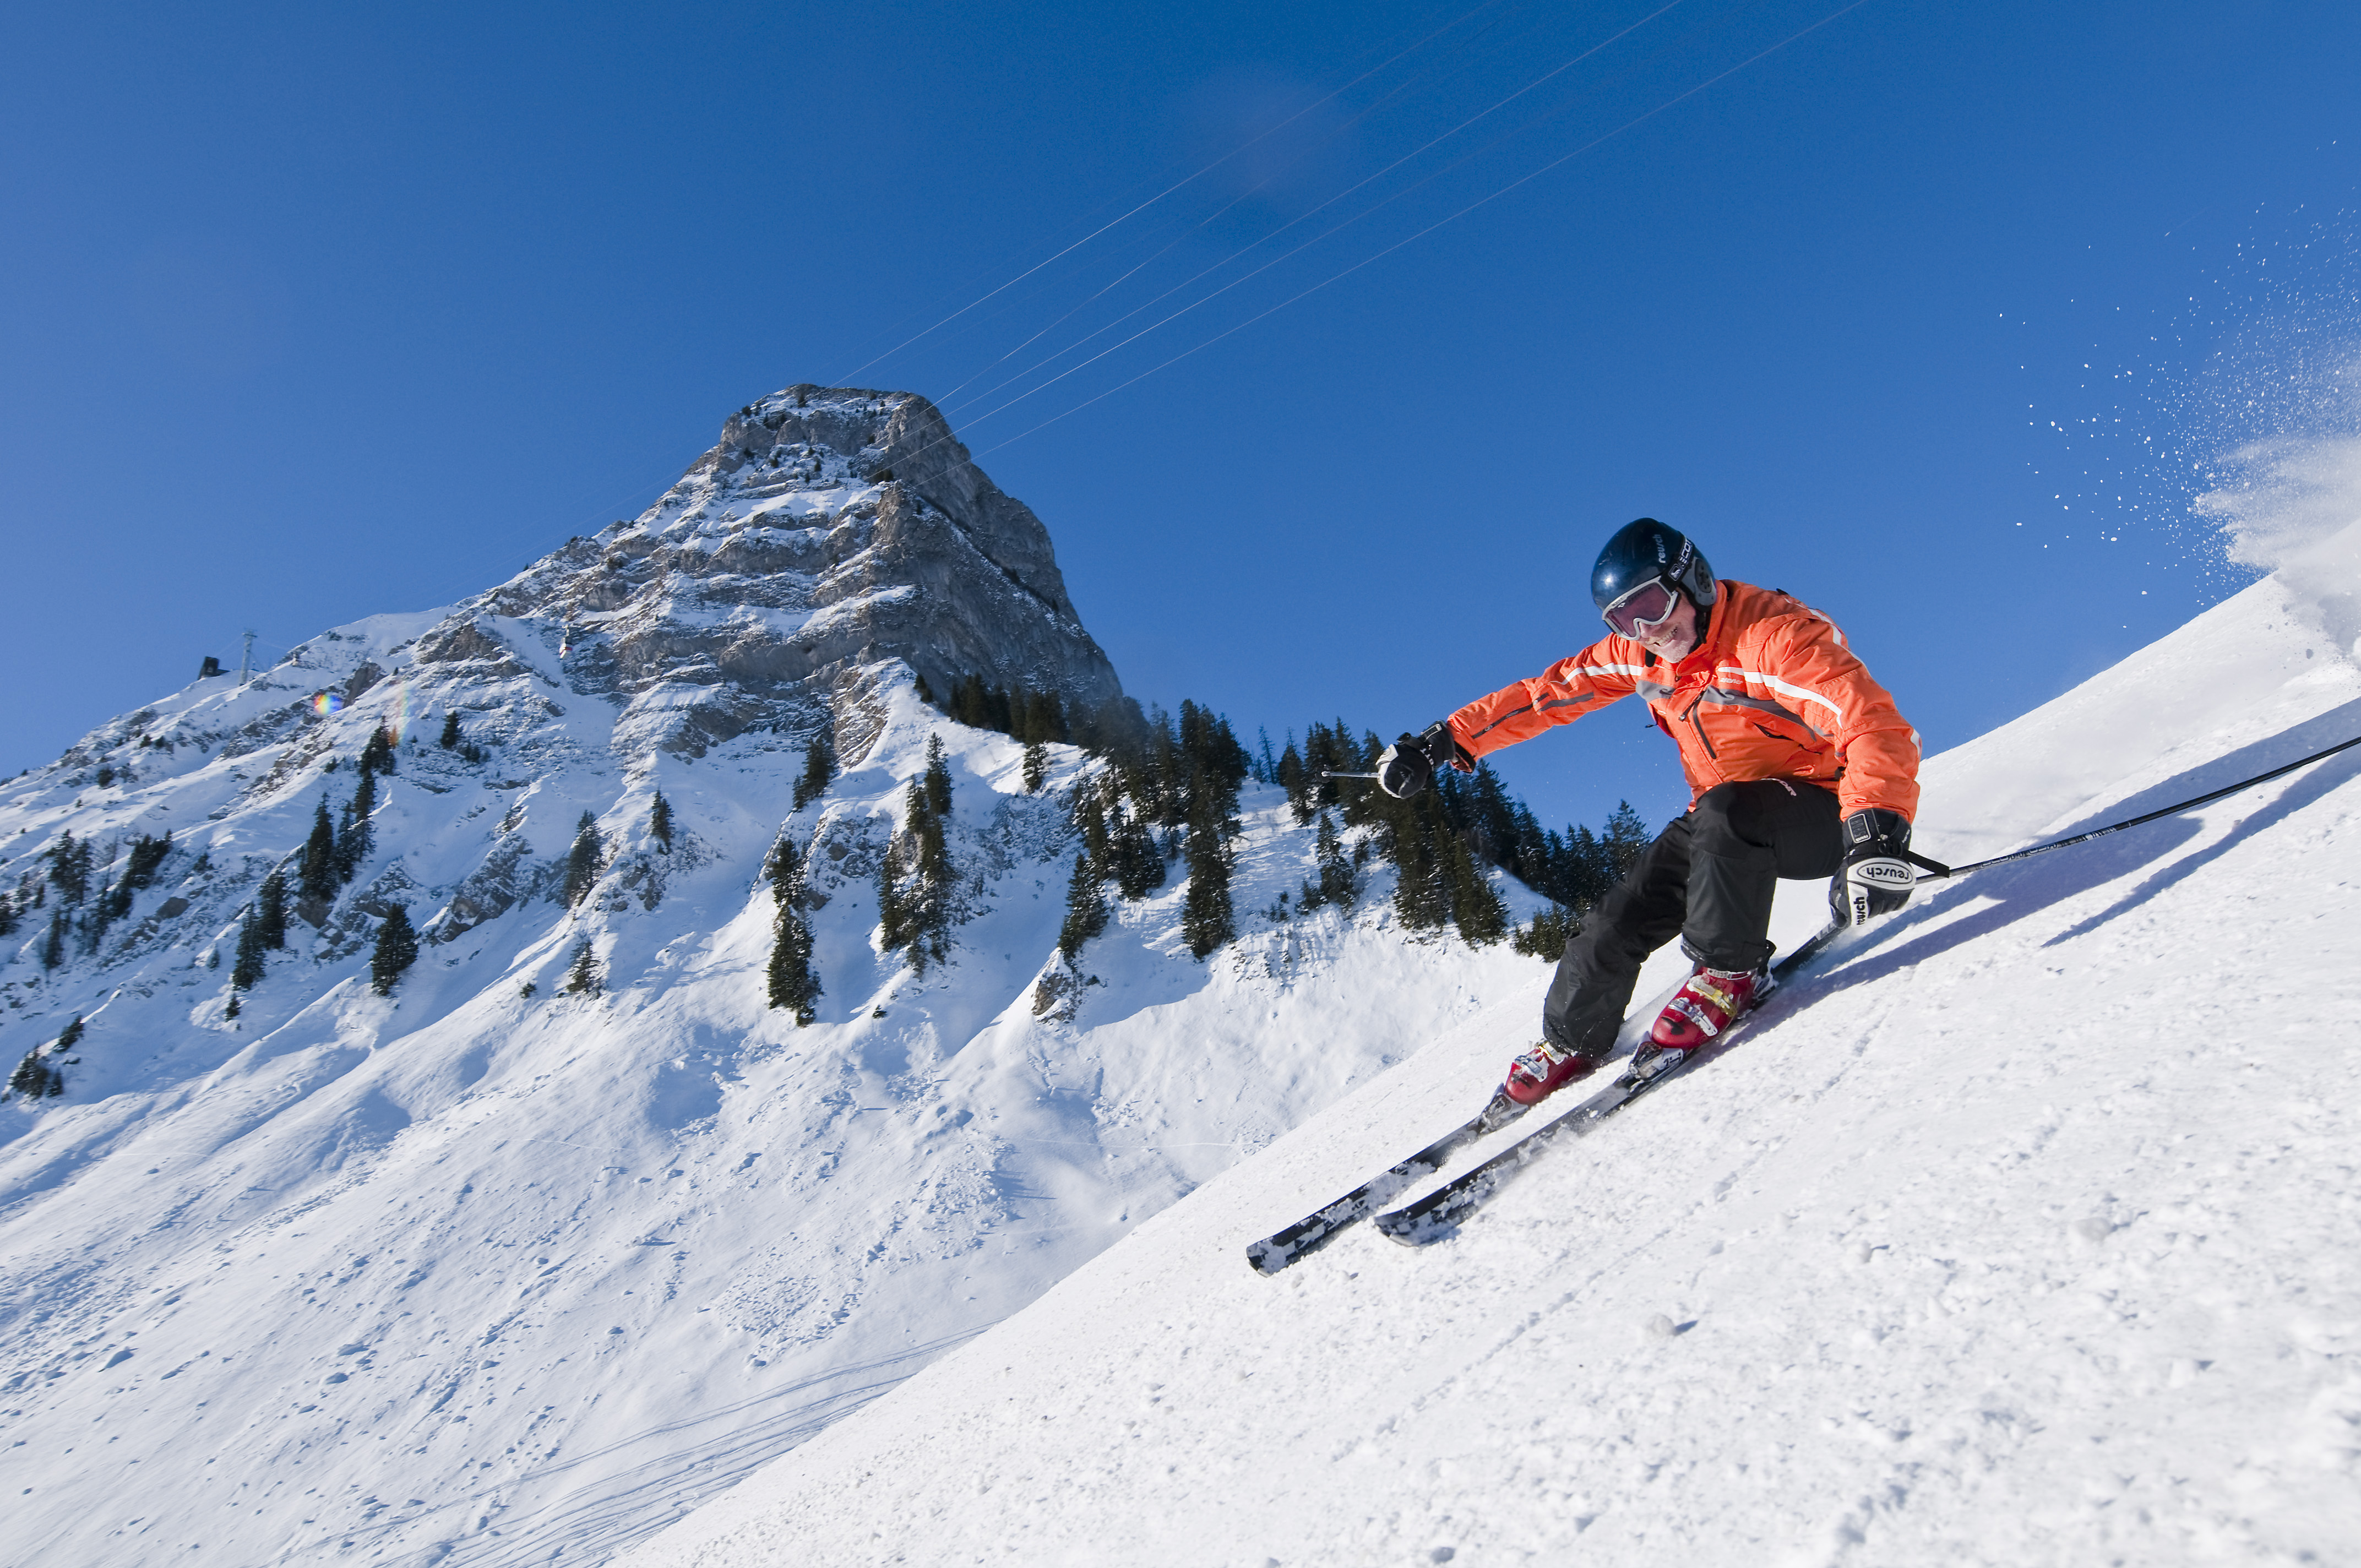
(314, 313)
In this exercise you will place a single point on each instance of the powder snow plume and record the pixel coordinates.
(2292, 505)
(2276, 410)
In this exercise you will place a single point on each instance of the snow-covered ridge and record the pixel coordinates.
(2019, 1232)
(482, 1271)
(511, 1256)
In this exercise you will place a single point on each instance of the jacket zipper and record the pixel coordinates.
(1698, 725)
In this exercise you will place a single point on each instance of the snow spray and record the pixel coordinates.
(2274, 422)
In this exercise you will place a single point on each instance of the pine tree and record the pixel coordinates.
(1531, 860)
(1207, 919)
(1138, 864)
(1089, 822)
(820, 767)
(660, 822)
(1086, 909)
(396, 950)
(247, 973)
(926, 904)
(582, 861)
(918, 917)
(783, 869)
(270, 911)
(70, 867)
(582, 976)
(35, 1078)
(1477, 911)
(139, 868)
(95, 921)
(377, 757)
(354, 843)
(938, 779)
(69, 1038)
(1036, 766)
(969, 704)
(793, 985)
(1625, 838)
(316, 875)
(892, 925)
(1039, 718)
(1422, 899)
(1583, 872)
(1296, 779)
(1546, 938)
(1492, 815)
(1337, 882)
(450, 735)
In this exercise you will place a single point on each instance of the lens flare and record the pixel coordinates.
(325, 703)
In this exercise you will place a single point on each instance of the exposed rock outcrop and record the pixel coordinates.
(830, 532)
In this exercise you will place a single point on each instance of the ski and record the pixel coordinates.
(1436, 1216)
(1315, 1230)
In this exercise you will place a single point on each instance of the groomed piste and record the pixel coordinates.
(2019, 1230)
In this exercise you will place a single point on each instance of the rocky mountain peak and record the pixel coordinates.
(828, 532)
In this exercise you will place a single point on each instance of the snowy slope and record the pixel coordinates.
(2021, 1231)
(472, 1273)
(483, 1272)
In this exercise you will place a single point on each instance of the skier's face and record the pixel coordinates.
(1674, 638)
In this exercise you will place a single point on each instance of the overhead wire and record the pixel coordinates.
(667, 477)
(1176, 186)
(1545, 77)
(1345, 272)
(1410, 239)
(1197, 227)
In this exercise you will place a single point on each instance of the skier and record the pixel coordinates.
(1798, 764)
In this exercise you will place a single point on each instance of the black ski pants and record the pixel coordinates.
(1708, 879)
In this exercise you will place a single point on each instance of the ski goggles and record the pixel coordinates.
(1643, 610)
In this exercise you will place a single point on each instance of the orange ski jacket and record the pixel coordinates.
(1770, 692)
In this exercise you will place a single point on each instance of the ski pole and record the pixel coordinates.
(1936, 869)
(1330, 776)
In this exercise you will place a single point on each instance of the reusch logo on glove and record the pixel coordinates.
(1885, 873)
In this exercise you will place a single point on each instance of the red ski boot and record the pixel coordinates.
(1543, 1070)
(1711, 1001)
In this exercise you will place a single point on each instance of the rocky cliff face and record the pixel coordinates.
(830, 532)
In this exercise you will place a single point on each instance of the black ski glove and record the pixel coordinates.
(1875, 880)
(1408, 765)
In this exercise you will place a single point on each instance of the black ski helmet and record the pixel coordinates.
(1644, 550)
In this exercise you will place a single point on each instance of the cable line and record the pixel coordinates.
(1390, 249)
(1228, 332)
(1202, 223)
(1547, 76)
(1176, 186)
(1936, 869)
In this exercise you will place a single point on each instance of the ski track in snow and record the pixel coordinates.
(2019, 1230)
